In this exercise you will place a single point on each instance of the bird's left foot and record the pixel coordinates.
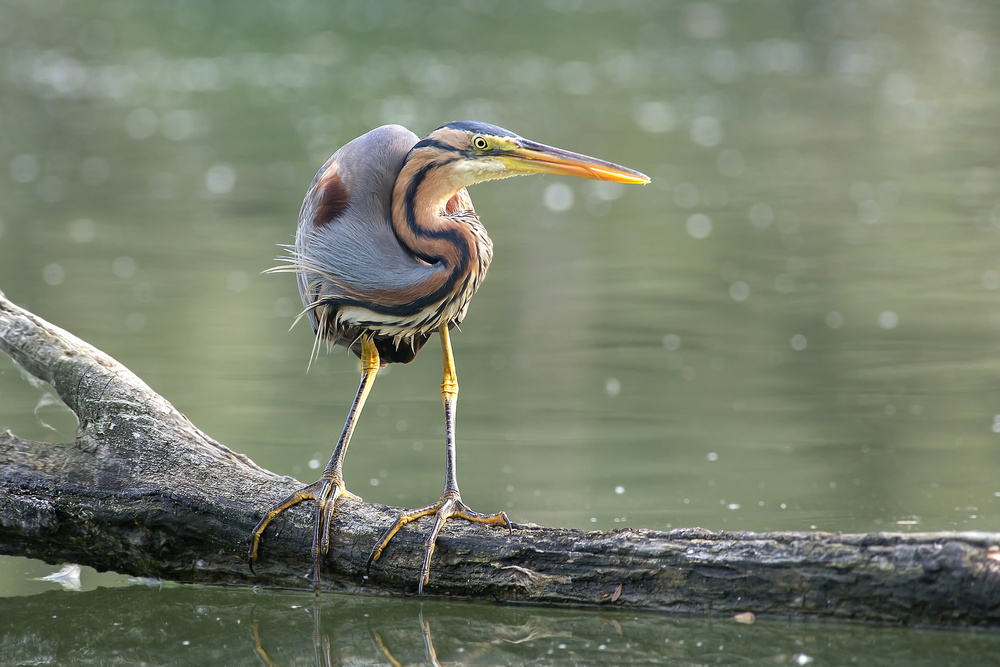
(449, 507)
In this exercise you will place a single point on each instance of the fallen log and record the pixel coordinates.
(142, 491)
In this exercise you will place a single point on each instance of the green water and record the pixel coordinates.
(795, 326)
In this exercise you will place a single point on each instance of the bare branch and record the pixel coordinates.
(142, 491)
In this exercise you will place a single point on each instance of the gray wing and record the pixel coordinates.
(345, 247)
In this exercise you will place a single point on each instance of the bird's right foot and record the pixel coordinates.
(325, 491)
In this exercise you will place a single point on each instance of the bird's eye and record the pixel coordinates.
(480, 143)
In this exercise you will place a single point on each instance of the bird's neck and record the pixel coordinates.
(425, 194)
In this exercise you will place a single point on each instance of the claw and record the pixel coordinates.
(450, 506)
(325, 492)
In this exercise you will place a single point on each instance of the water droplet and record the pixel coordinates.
(53, 274)
(82, 230)
(887, 319)
(123, 267)
(706, 131)
(220, 179)
(739, 291)
(655, 117)
(558, 197)
(699, 226)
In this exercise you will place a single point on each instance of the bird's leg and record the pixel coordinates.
(330, 485)
(450, 505)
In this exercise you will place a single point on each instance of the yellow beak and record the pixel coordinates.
(528, 156)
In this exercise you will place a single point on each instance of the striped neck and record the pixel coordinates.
(420, 199)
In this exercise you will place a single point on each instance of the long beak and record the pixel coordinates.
(528, 156)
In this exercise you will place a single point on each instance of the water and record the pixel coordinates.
(795, 326)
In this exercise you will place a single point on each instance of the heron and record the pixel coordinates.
(388, 251)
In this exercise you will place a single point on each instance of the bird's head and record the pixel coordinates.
(472, 152)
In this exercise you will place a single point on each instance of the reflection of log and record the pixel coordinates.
(142, 491)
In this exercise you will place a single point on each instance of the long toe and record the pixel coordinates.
(324, 492)
(450, 506)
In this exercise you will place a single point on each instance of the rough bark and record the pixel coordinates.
(142, 491)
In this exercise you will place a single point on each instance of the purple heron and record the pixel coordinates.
(388, 251)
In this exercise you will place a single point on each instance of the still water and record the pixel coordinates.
(795, 326)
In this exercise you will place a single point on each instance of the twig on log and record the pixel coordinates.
(142, 491)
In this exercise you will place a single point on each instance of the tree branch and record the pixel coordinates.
(142, 491)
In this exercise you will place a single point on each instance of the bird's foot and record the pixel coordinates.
(325, 491)
(450, 506)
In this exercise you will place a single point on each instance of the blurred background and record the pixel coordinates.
(796, 326)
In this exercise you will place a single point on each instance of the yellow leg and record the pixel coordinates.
(330, 486)
(450, 505)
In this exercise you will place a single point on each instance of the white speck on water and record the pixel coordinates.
(123, 267)
(373, 481)
(619, 490)
(313, 463)
(869, 212)
(699, 226)
(612, 387)
(739, 291)
(712, 456)
(733, 506)
(834, 320)
(655, 117)
(706, 131)
(83, 230)
(799, 342)
(887, 319)
(68, 577)
(558, 197)
(220, 179)
(53, 274)
(802, 659)
(671, 341)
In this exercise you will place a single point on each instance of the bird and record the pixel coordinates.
(388, 251)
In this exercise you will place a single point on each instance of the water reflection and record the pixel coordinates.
(191, 625)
